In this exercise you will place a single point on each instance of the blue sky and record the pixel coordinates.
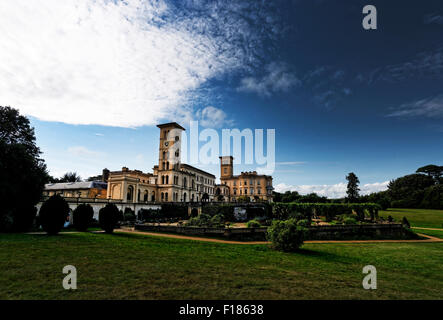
(96, 78)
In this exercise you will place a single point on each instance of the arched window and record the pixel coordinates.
(185, 182)
(163, 196)
(164, 154)
(184, 197)
(167, 179)
(163, 179)
(130, 194)
(166, 196)
(153, 196)
(138, 195)
(145, 196)
(167, 165)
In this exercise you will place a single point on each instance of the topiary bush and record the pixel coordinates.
(253, 224)
(53, 214)
(129, 214)
(82, 217)
(349, 220)
(286, 235)
(303, 223)
(108, 217)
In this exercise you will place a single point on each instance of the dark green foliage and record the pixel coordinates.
(149, 215)
(349, 220)
(108, 217)
(283, 211)
(352, 191)
(286, 235)
(304, 223)
(390, 219)
(206, 221)
(433, 171)
(82, 217)
(53, 214)
(227, 210)
(170, 210)
(129, 215)
(408, 191)
(433, 197)
(67, 177)
(22, 172)
(294, 196)
(253, 224)
(405, 222)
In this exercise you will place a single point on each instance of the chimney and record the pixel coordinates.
(105, 175)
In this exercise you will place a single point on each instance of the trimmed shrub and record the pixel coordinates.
(286, 235)
(129, 214)
(108, 217)
(206, 221)
(172, 210)
(349, 220)
(53, 214)
(82, 217)
(253, 224)
(283, 211)
(303, 223)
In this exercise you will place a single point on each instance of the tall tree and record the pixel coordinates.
(352, 188)
(70, 177)
(22, 171)
(436, 172)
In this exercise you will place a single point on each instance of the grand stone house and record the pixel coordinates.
(171, 180)
(250, 185)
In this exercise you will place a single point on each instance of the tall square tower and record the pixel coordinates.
(226, 167)
(170, 146)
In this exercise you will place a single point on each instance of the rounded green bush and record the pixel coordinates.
(286, 235)
(82, 217)
(53, 214)
(253, 224)
(349, 220)
(108, 217)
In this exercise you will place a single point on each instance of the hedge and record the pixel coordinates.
(284, 211)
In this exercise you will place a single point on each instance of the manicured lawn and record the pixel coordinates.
(417, 217)
(434, 233)
(124, 266)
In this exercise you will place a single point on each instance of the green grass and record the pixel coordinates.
(434, 233)
(417, 217)
(125, 266)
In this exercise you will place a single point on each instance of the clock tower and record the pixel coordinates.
(170, 146)
(226, 167)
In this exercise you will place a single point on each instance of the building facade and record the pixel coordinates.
(83, 190)
(249, 185)
(171, 180)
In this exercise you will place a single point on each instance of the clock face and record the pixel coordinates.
(225, 160)
(166, 144)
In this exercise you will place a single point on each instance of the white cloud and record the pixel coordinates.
(429, 107)
(83, 152)
(119, 63)
(278, 78)
(333, 190)
(212, 117)
(290, 163)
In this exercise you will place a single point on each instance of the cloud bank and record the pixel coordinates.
(122, 63)
(333, 190)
